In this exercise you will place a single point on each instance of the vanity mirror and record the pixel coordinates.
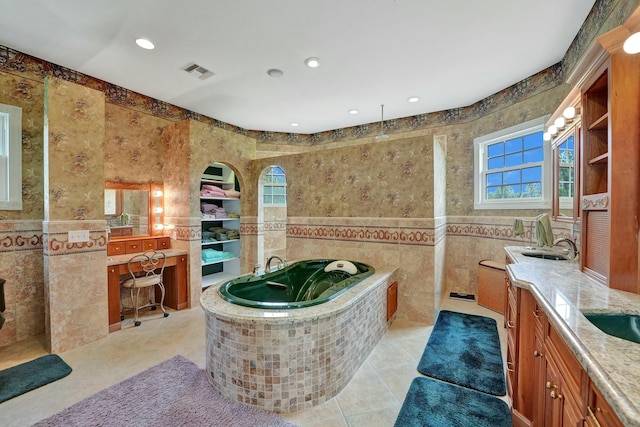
(563, 130)
(133, 209)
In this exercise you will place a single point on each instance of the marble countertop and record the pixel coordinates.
(564, 291)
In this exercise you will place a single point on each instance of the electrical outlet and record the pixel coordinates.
(78, 236)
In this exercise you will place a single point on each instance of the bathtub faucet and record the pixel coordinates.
(281, 263)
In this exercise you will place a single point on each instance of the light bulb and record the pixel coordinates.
(553, 129)
(157, 193)
(546, 136)
(159, 226)
(559, 122)
(312, 62)
(632, 44)
(157, 210)
(145, 44)
(569, 113)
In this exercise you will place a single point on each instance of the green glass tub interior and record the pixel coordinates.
(301, 284)
(621, 325)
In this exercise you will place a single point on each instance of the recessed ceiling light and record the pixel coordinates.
(312, 62)
(294, 124)
(274, 72)
(145, 44)
(414, 99)
(353, 111)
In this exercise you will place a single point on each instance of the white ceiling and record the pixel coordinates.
(449, 53)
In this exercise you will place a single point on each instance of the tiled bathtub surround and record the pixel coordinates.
(286, 361)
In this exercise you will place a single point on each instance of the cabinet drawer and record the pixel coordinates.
(163, 243)
(133, 246)
(599, 413)
(116, 248)
(149, 244)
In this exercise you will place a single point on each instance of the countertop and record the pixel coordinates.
(563, 291)
(123, 259)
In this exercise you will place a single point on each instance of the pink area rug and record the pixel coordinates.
(174, 393)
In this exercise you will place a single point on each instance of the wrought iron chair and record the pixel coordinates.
(146, 271)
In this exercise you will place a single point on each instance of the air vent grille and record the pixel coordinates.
(198, 71)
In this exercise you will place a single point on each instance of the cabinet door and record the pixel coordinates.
(552, 395)
(539, 380)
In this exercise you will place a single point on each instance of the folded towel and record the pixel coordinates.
(544, 232)
(518, 228)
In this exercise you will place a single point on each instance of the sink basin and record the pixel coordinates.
(553, 257)
(625, 326)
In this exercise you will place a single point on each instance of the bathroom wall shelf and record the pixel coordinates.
(227, 268)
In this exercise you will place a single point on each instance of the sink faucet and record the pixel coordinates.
(267, 267)
(572, 246)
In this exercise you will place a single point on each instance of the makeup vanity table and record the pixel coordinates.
(175, 274)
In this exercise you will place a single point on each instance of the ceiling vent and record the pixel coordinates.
(198, 71)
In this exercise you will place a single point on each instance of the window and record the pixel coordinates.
(512, 168)
(10, 157)
(274, 187)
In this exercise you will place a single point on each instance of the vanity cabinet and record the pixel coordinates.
(223, 246)
(546, 383)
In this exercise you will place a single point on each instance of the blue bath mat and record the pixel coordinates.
(464, 349)
(433, 403)
(30, 375)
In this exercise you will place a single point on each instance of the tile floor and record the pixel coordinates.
(372, 398)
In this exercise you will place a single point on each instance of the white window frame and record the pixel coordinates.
(272, 185)
(480, 145)
(10, 157)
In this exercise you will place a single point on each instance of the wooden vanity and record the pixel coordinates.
(561, 369)
(175, 273)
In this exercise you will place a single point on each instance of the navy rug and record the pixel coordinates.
(464, 349)
(432, 403)
(30, 375)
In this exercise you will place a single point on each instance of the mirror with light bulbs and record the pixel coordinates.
(563, 130)
(133, 209)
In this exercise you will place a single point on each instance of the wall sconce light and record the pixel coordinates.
(569, 113)
(156, 209)
(632, 44)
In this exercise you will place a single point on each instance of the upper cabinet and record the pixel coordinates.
(609, 82)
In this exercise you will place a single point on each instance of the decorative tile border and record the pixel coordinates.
(24, 240)
(368, 234)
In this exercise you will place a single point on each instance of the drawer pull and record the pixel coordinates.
(553, 395)
(536, 353)
(536, 313)
(511, 324)
(593, 416)
(510, 367)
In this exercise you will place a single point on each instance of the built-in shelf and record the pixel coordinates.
(219, 219)
(220, 269)
(218, 261)
(219, 198)
(219, 242)
(600, 123)
(601, 159)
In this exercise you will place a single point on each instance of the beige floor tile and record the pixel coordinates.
(365, 392)
(382, 418)
(398, 378)
(328, 413)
